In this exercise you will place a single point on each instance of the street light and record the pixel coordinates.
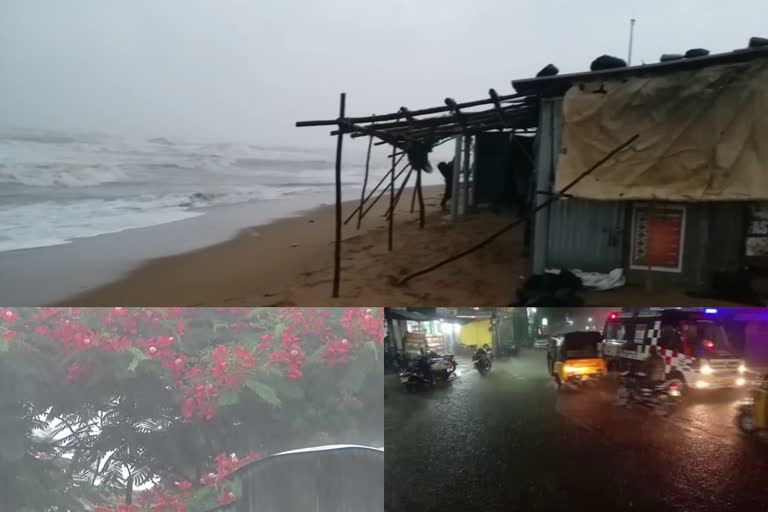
(544, 322)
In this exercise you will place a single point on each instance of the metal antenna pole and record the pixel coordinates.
(631, 40)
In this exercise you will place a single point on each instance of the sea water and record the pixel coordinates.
(58, 187)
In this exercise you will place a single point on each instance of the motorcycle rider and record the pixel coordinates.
(654, 368)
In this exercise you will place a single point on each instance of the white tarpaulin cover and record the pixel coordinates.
(703, 135)
(599, 281)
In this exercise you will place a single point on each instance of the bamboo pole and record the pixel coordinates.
(485, 120)
(519, 220)
(365, 181)
(421, 199)
(449, 119)
(337, 248)
(391, 202)
(373, 203)
(389, 117)
(376, 188)
(400, 192)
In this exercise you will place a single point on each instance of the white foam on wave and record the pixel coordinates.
(47, 224)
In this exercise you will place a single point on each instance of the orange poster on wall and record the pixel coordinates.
(657, 238)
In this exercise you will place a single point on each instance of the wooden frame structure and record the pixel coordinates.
(413, 134)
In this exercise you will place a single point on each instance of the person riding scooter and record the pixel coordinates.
(655, 367)
(652, 371)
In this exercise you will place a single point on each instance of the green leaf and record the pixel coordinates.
(373, 348)
(279, 328)
(289, 389)
(228, 397)
(264, 392)
(138, 357)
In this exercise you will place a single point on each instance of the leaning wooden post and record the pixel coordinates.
(337, 251)
(421, 199)
(365, 182)
(392, 200)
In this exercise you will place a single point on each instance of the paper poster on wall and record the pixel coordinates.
(757, 232)
(657, 238)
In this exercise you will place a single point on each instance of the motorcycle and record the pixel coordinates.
(662, 398)
(483, 361)
(427, 369)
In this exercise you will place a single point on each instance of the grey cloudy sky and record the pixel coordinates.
(246, 70)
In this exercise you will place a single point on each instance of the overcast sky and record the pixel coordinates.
(246, 70)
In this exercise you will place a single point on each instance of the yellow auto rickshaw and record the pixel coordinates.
(753, 412)
(575, 358)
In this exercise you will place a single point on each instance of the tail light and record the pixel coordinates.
(613, 316)
(674, 387)
(709, 344)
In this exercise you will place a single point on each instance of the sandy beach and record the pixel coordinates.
(290, 262)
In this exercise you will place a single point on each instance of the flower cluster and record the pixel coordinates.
(157, 334)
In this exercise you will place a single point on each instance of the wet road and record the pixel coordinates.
(511, 441)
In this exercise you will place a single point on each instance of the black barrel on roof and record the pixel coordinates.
(696, 52)
(607, 62)
(670, 56)
(548, 70)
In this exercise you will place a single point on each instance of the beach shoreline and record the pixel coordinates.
(289, 261)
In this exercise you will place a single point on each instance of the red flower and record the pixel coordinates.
(244, 358)
(8, 316)
(336, 352)
(225, 498)
(188, 407)
(265, 341)
(183, 485)
(292, 372)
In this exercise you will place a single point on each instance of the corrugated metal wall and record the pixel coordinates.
(572, 233)
(587, 235)
(349, 479)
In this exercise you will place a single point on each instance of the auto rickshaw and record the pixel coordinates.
(753, 412)
(575, 358)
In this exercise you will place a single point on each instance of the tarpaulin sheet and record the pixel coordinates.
(703, 135)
